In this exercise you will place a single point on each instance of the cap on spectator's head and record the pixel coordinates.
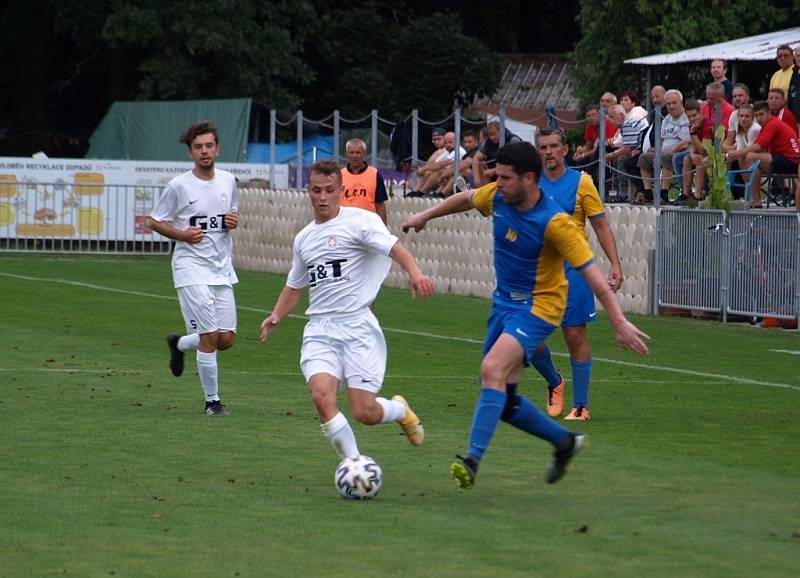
(438, 131)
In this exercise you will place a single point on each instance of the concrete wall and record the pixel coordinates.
(455, 251)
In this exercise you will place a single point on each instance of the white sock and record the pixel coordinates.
(207, 368)
(392, 410)
(341, 436)
(191, 341)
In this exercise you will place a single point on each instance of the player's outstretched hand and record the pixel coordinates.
(422, 286)
(630, 337)
(416, 222)
(268, 326)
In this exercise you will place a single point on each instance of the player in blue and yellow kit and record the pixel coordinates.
(577, 195)
(532, 237)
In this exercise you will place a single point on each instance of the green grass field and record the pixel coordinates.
(109, 467)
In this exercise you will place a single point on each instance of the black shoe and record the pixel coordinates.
(571, 446)
(215, 408)
(681, 200)
(464, 473)
(176, 355)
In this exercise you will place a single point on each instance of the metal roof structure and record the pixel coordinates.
(750, 48)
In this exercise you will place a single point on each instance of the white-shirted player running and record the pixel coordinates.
(343, 256)
(198, 209)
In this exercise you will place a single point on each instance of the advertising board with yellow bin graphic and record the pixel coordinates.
(8, 189)
(90, 219)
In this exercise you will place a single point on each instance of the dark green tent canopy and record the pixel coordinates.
(150, 130)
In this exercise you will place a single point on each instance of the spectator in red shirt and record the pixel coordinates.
(715, 94)
(777, 148)
(776, 99)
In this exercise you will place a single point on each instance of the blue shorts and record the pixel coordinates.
(580, 300)
(517, 320)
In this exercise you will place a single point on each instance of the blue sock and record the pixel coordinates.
(534, 421)
(543, 362)
(581, 376)
(484, 421)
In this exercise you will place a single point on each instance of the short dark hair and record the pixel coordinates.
(195, 129)
(777, 90)
(783, 47)
(634, 98)
(522, 157)
(591, 106)
(551, 131)
(692, 104)
(326, 168)
(760, 105)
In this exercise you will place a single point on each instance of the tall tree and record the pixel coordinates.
(614, 31)
(225, 48)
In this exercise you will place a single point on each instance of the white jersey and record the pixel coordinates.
(343, 262)
(190, 201)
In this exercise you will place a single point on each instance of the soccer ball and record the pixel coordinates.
(359, 478)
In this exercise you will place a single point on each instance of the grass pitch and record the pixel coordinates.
(109, 467)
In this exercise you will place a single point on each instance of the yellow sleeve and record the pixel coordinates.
(483, 197)
(567, 238)
(589, 198)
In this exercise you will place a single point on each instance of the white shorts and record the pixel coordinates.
(350, 348)
(208, 308)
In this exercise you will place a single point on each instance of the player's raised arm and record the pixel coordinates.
(419, 282)
(287, 301)
(457, 203)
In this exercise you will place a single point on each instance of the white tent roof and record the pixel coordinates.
(759, 47)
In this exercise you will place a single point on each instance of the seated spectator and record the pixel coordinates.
(719, 71)
(776, 99)
(776, 146)
(470, 143)
(607, 100)
(675, 137)
(484, 159)
(616, 118)
(591, 132)
(424, 171)
(634, 124)
(442, 172)
(696, 159)
(739, 138)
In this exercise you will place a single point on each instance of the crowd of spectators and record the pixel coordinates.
(766, 131)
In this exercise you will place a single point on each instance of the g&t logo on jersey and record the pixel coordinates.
(328, 272)
(212, 224)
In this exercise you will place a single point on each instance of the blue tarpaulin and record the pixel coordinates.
(321, 146)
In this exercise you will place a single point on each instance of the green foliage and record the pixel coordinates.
(221, 49)
(719, 195)
(614, 31)
(425, 63)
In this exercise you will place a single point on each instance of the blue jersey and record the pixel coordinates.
(576, 194)
(529, 252)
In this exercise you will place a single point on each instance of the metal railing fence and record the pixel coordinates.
(745, 263)
(78, 218)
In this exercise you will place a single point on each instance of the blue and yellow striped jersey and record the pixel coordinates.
(529, 252)
(576, 194)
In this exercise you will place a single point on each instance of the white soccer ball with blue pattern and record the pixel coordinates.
(359, 478)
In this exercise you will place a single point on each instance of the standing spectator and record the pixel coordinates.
(675, 137)
(484, 159)
(776, 99)
(342, 257)
(719, 70)
(362, 185)
(782, 76)
(776, 147)
(198, 209)
(793, 96)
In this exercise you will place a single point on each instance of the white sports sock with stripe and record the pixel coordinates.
(341, 436)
